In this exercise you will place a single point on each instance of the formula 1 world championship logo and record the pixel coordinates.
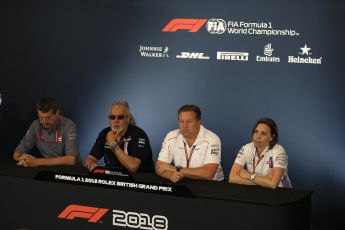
(191, 24)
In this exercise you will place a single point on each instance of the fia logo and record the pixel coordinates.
(216, 26)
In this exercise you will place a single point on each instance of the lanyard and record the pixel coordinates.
(58, 135)
(186, 154)
(254, 165)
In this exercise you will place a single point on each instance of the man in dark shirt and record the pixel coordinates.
(123, 144)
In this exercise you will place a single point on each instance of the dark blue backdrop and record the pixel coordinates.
(86, 54)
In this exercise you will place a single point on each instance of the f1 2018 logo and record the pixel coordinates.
(92, 214)
(120, 217)
(191, 24)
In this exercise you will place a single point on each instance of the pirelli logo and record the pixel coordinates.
(190, 24)
(232, 56)
(92, 214)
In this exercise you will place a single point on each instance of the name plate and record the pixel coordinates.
(114, 181)
(114, 173)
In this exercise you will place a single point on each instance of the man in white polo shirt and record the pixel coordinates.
(191, 151)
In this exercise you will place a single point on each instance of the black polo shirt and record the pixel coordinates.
(135, 143)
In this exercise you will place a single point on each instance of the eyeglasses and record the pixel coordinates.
(119, 117)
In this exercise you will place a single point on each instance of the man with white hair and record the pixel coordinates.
(123, 144)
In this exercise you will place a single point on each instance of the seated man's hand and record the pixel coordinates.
(164, 167)
(113, 136)
(91, 165)
(21, 162)
(28, 160)
(175, 176)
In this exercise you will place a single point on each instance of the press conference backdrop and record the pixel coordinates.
(238, 60)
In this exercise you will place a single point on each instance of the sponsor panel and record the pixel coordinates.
(304, 57)
(192, 55)
(154, 51)
(232, 56)
(220, 26)
(268, 52)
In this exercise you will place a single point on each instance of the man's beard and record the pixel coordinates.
(116, 129)
(47, 126)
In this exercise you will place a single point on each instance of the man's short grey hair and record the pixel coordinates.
(125, 105)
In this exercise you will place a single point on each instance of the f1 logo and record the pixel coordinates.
(93, 214)
(192, 25)
(101, 171)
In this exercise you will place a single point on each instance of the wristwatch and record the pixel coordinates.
(178, 168)
(252, 177)
(112, 146)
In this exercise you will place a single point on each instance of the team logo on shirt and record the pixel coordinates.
(127, 139)
(240, 153)
(72, 136)
(270, 162)
(214, 152)
(141, 142)
(281, 160)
